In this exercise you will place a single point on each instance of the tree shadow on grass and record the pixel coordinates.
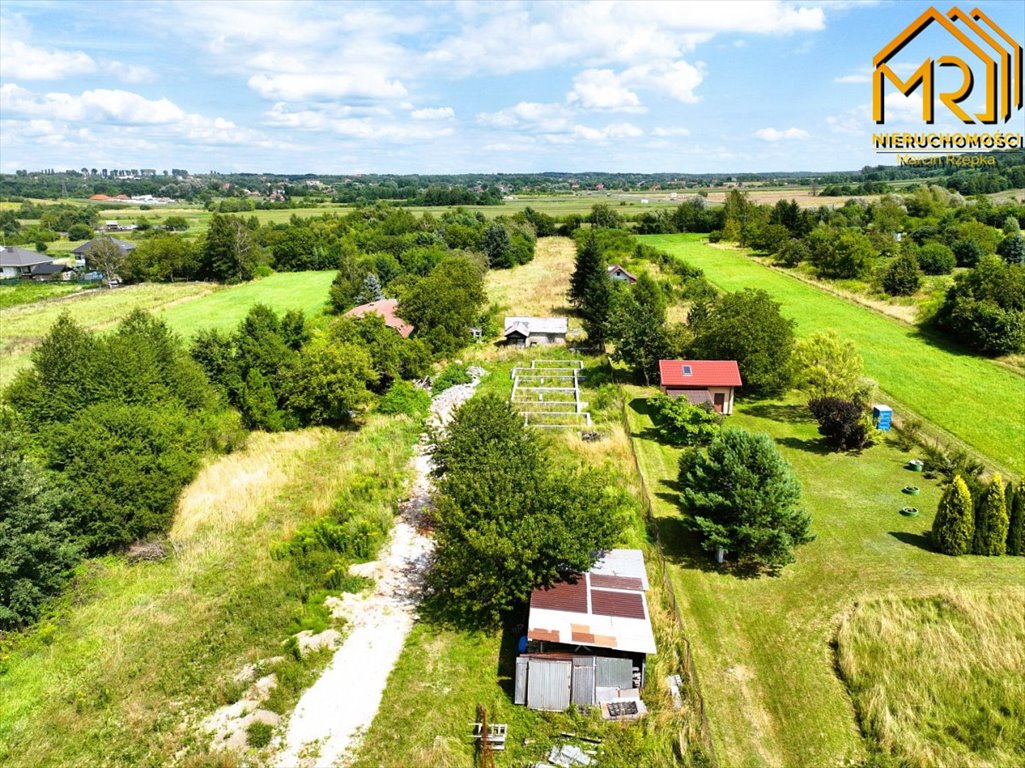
(817, 446)
(914, 539)
(513, 628)
(682, 547)
(785, 414)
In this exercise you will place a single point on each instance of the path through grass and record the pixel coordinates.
(763, 645)
(976, 400)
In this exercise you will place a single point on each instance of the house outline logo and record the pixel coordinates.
(1002, 68)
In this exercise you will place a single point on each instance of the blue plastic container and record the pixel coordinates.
(882, 415)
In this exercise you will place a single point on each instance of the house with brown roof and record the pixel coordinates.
(588, 638)
(701, 381)
(387, 309)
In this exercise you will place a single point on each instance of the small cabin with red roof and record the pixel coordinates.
(701, 381)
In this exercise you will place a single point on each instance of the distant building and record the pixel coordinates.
(701, 381)
(84, 249)
(531, 331)
(616, 272)
(386, 308)
(18, 262)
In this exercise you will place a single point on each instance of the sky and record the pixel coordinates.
(453, 87)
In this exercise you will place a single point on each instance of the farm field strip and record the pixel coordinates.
(979, 402)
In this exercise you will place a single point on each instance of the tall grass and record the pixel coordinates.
(939, 682)
(138, 654)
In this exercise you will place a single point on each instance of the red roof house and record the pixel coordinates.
(385, 308)
(701, 381)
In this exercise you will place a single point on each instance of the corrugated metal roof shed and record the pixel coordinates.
(603, 608)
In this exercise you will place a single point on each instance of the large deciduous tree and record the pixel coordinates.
(637, 326)
(445, 304)
(508, 522)
(747, 327)
(953, 528)
(229, 252)
(827, 365)
(742, 495)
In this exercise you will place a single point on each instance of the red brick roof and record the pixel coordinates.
(386, 309)
(703, 373)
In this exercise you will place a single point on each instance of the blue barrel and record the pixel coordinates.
(882, 415)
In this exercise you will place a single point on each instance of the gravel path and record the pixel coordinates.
(332, 715)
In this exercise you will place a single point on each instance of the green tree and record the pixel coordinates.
(507, 521)
(392, 356)
(842, 254)
(1016, 521)
(229, 252)
(902, 277)
(1012, 249)
(747, 327)
(953, 528)
(991, 522)
(79, 232)
(445, 304)
(680, 423)
(37, 547)
(497, 246)
(603, 217)
(843, 423)
(936, 259)
(591, 290)
(328, 383)
(163, 258)
(827, 365)
(637, 326)
(106, 256)
(295, 249)
(985, 307)
(744, 497)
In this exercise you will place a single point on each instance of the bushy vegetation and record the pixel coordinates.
(680, 423)
(953, 528)
(827, 365)
(743, 497)
(991, 522)
(405, 398)
(985, 308)
(451, 375)
(509, 521)
(444, 305)
(843, 423)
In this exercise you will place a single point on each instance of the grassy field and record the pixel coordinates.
(139, 653)
(762, 645)
(939, 682)
(186, 307)
(977, 401)
(14, 293)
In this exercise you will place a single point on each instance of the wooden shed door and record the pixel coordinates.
(719, 400)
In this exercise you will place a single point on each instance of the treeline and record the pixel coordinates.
(894, 242)
(103, 431)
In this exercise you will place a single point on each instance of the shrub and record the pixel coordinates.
(843, 423)
(405, 398)
(680, 423)
(452, 375)
(907, 433)
(936, 259)
(954, 525)
(1016, 523)
(991, 523)
(902, 277)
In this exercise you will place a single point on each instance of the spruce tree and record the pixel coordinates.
(590, 290)
(1016, 524)
(587, 268)
(954, 524)
(991, 523)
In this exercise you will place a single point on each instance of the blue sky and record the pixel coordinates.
(441, 87)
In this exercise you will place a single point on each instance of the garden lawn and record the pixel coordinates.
(763, 646)
(138, 654)
(972, 398)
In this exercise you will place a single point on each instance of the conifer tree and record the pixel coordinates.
(991, 523)
(1016, 524)
(954, 524)
(590, 290)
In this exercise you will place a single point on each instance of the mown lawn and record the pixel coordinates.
(764, 645)
(977, 401)
(139, 653)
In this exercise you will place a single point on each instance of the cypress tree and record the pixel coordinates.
(1016, 525)
(954, 524)
(991, 523)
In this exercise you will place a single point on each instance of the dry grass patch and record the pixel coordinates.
(537, 289)
(939, 682)
(234, 488)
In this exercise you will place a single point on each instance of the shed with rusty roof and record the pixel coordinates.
(587, 637)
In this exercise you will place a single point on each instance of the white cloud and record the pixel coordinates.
(603, 89)
(554, 123)
(343, 121)
(772, 134)
(672, 131)
(25, 62)
(123, 109)
(302, 87)
(433, 113)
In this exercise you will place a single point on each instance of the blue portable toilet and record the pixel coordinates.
(881, 416)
